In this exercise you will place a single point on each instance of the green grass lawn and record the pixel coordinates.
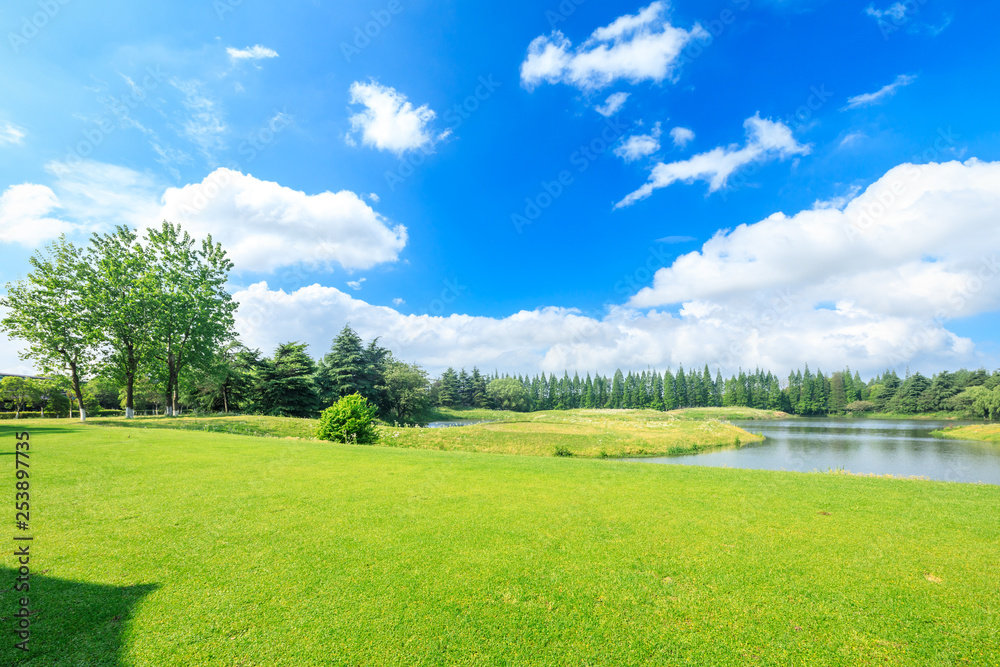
(984, 432)
(167, 547)
(586, 433)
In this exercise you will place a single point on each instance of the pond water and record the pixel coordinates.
(457, 422)
(896, 447)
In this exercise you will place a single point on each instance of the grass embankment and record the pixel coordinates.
(984, 432)
(589, 433)
(163, 547)
(254, 425)
(586, 433)
(749, 414)
(930, 416)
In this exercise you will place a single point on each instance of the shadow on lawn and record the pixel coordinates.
(8, 427)
(72, 622)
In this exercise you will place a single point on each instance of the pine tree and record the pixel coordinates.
(657, 398)
(681, 388)
(340, 372)
(717, 389)
(478, 398)
(448, 389)
(464, 389)
(617, 398)
(285, 383)
(838, 392)
(669, 391)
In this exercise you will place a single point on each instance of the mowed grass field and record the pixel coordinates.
(162, 547)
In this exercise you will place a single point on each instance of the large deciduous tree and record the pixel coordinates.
(123, 295)
(51, 310)
(194, 312)
(406, 389)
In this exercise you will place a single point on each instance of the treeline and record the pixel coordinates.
(147, 324)
(964, 392)
(124, 308)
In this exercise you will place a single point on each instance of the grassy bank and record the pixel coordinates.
(592, 433)
(984, 432)
(586, 433)
(166, 547)
(253, 425)
(932, 416)
(729, 413)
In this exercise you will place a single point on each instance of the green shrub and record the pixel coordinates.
(28, 415)
(349, 420)
(563, 450)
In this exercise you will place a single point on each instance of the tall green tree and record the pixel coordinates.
(406, 388)
(341, 371)
(507, 394)
(617, 399)
(286, 383)
(194, 312)
(122, 294)
(19, 392)
(448, 389)
(49, 309)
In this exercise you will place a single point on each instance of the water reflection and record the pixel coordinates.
(897, 447)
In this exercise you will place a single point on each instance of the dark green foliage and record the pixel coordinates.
(508, 394)
(285, 383)
(447, 389)
(406, 391)
(350, 420)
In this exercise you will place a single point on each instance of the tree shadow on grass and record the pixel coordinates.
(72, 622)
(8, 427)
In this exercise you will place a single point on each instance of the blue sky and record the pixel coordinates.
(441, 174)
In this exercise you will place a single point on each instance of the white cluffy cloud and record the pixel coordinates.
(10, 134)
(25, 215)
(264, 225)
(256, 52)
(681, 136)
(612, 105)
(389, 122)
(870, 255)
(766, 140)
(634, 48)
(880, 95)
(830, 286)
(639, 145)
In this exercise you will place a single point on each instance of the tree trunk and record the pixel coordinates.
(129, 393)
(174, 372)
(225, 401)
(75, 378)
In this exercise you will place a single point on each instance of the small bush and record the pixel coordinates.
(349, 420)
(562, 450)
